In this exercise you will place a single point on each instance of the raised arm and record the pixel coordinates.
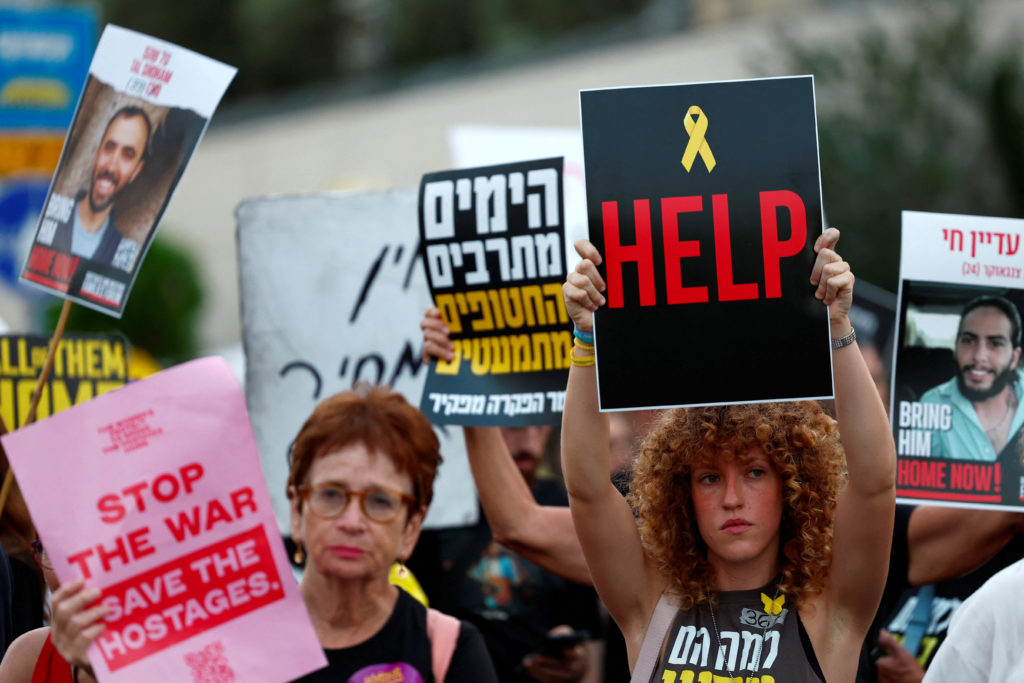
(946, 542)
(864, 517)
(627, 584)
(543, 534)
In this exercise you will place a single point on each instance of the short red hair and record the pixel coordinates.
(382, 420)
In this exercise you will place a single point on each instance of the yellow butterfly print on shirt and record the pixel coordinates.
(773, 606)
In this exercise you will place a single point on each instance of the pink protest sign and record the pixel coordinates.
(154, 493)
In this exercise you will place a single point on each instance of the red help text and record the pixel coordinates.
(642, 253)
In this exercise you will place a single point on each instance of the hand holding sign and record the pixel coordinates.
(833, 278)
(583, 287)
(76, 621)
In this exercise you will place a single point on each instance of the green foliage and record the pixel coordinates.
(162, 310)
(925, 118)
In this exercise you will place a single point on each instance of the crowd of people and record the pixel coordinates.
(738, 542)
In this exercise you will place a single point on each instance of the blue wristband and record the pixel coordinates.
(585, 337)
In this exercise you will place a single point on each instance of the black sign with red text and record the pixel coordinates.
(705, 201)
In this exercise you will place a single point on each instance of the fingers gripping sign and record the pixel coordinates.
(584, 286)
(437, 341)
(832, 277)
(77, 620)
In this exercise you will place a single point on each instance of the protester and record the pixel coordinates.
(745, 529)
(33, 658)
(466, 572)
(987, 411)
(361, 478)
(985, 636)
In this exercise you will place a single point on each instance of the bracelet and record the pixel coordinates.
(583, 361)
(585, 337)
(583, 346)
(845, 341)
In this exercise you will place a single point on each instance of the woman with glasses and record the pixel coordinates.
(362, 474)
(361, 478)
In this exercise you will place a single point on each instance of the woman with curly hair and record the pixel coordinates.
(754, 544)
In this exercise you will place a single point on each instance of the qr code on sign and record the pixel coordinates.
(209, 665)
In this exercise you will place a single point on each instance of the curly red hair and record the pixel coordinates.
(802, 443)
(380, 419)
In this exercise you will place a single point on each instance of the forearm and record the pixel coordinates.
(543, 534)
(976, 535)
(585, 452)
(503, 492)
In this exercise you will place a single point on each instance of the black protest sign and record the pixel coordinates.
(705, 202)
(84, 366)
(493, 246)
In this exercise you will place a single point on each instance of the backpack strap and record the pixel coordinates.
(443, 631)
(658, 627)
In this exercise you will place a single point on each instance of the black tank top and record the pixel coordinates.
(755, 638)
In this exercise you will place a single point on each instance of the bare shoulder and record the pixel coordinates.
(20, 660)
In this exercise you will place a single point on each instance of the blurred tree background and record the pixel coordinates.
(927, 117)
(280, 45)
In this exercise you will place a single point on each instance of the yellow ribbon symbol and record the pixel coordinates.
(773, 606)
(696, 130)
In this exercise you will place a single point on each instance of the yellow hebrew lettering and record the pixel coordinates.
(543, 353)
(494, 296)
(512, 306)
(533, 302)
(554, 290)
(501, 356)
(561, 343)
(451, 367)
(478, 304)
(481, 357)
(521, 361)
(697, 129)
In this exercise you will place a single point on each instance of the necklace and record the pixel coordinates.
(994, 433)
(764, 632)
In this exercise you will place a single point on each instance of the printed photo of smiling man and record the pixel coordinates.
(122, 160)
(89, 229)
(984, 396)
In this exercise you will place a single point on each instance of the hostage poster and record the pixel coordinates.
(144, 108)
(957, 414)
(493, 246)
(171, 519)
(704, 201)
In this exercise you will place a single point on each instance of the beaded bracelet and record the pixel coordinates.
(585, 337)
(583, 361)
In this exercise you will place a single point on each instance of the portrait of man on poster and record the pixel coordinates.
(90, 230)
(985, 394)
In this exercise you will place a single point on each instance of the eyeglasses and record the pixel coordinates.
(40, 554)
(327, 501)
